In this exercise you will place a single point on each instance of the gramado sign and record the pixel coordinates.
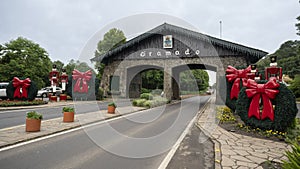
(167, 53)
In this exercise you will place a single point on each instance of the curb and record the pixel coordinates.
(65, 129)
(217, 144)
(165, 162)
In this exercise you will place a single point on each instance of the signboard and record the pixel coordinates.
(167, 41)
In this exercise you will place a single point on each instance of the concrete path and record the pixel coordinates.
(238, 151)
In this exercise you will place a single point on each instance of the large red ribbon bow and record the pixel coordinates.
(84, 77)
(266, 91)
(21, 85)
(236, 75)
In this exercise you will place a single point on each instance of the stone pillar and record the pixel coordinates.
(220, 88)
(123, 80)
(104, 84)
(175, 86)
(168, 82)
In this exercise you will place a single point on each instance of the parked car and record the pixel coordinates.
(3, 86)
(44, 91)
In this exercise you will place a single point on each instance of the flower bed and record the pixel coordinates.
(10, 103)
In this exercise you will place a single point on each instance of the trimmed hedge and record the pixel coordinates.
(284, 113)
(21, 103)
(147, 96)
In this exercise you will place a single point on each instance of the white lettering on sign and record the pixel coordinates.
(158, 53)
(143, 54)
(168, 53)
(187, 51)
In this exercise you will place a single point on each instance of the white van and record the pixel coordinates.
(3, 86)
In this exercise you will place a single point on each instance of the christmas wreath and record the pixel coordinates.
(266, 105)
(21, 89)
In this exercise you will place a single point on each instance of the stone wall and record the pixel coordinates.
(127, 69)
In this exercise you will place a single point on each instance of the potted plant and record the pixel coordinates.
(33, 121)
(68, 114)
(111, 108)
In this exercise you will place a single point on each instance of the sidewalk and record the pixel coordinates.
(17, 134)
(238, 151)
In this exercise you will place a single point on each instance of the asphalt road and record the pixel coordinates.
(135, 141)
(11, 118)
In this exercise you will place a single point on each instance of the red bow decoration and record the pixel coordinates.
(84, 77)
(266, 91)
(21, 84)
(236, 75)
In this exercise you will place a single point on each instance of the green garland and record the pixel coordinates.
(32, 91)
(284, 113)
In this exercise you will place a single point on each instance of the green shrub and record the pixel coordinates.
(144, 90)
(140, 102)
(293, 157)
(156, 91)
(7, 103)
(68, 109)
(134, 102)
(157, 101)
(112, 104)
(100, 94)
(147, 96)
(284, 113)
(295, 86)
(148, 103)
(34, 115)
(293, 132)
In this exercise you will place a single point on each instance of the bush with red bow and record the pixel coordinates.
(265, 104)
(21, 89)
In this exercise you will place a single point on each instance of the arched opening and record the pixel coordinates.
(193, 79)
(144, 79)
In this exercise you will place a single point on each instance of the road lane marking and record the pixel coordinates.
(173, 150)
(69, 131)
(79, 128)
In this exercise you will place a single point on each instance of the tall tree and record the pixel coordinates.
(153, 79)
(59, 64)
(112, 39)
(24, 59)
(298, 25)
(288, 57)
(81, 66)
(191, 80)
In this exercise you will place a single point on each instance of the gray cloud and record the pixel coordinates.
(63, 27)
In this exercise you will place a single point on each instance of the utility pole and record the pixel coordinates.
(220, 29)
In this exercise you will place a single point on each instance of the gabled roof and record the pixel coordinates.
(172, 28)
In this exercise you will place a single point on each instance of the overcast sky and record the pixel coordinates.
(63, 27)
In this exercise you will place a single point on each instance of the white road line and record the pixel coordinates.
(67, 131)
(171, 153)
(173, 150)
